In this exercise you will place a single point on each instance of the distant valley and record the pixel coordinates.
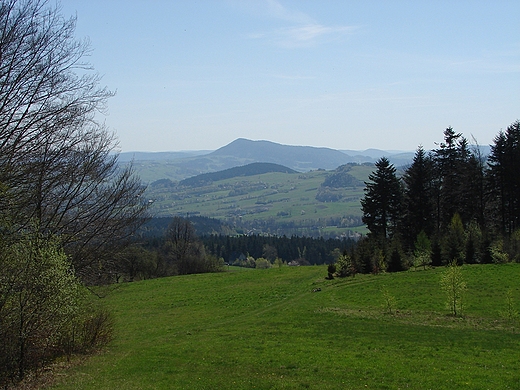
(263, 187)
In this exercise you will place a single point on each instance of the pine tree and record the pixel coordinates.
(504, 180)
(450, 161)
(476, 179)
(382, 201)
(454, 242)
(418, 207)
(396, 258)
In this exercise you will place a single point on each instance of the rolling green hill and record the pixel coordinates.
(321, 200)
(275, 202)
(230, 173)
(289, 328)
(233, 185)
(300, 158)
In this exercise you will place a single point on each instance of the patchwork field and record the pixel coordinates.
(271, 329)
(278, 203)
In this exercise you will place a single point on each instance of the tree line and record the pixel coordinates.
(304, 250)
(452, 204)
(188, 246)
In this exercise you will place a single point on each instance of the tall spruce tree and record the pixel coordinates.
(455, 189)
(418, 207)
(448, 161)
(382, 201)
(504, 179)
(471, 185)
(476, 179)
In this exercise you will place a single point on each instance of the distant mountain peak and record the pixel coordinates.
(301, 158)
(243, 151)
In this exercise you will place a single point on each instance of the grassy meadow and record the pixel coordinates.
(267, 329)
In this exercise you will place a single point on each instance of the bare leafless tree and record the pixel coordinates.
(58, 164)
(46, 87)
(184, 248)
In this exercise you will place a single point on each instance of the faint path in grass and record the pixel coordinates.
(267, 329)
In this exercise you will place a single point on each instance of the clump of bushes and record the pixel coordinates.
(45, 312)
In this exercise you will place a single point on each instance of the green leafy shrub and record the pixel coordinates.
(45, 312)
(39, 299)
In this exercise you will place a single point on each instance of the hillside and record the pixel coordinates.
(245, 170)
(263, 187)
(160, 156)
(316, 203)
(289, 328)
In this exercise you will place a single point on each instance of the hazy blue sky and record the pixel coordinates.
(342, 74)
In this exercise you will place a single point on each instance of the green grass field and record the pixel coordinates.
(267, 329)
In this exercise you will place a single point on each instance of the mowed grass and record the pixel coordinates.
(267, 329)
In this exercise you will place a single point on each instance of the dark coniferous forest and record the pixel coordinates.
(452, 204)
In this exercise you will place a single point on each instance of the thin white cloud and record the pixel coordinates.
(277, 10)
(304, 35)
(302, 31)
(310, 33)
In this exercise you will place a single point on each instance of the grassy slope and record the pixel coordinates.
(283, 197)
(266, 329)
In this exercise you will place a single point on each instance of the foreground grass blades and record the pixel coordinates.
(267, 329)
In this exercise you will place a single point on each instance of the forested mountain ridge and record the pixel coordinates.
(245, 170)
(178, 166)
